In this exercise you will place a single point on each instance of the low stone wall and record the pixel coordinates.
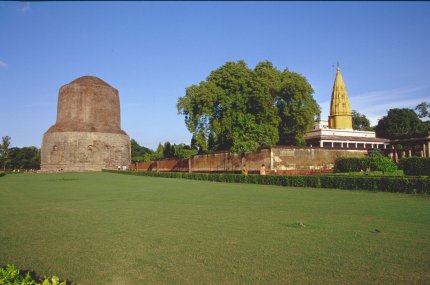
(216, 162)
(280, 160)
(230, 162)
(171, 165)
(291, 159)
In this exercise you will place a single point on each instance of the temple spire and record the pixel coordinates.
(340, 109)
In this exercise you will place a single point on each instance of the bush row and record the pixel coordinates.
(416, 166)
(2, 174)
(388, 184)
(357, 164)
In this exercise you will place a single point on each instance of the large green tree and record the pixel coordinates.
(240, 109)
(360, 122)
(399, 123)
(297, 108)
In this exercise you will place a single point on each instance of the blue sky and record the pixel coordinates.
(152, 51)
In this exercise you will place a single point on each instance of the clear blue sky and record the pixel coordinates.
(152, 51)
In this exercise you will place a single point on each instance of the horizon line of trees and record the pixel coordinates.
(27, 157)
(163, 151)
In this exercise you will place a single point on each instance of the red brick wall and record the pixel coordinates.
(281, 160)
(162, 165)
(306, 158)
(230, 162)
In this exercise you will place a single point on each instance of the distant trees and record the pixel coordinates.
(399, 123)
(241, 109)
(138, 152)
(18, 158)
(163, 151)
(24, 158)
(360, 122)
(422, 110)
(4, 151)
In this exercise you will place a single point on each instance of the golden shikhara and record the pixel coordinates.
(340, 110)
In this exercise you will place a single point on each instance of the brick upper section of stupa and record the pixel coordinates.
(88, 104)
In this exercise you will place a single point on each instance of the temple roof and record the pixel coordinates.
(339, 99)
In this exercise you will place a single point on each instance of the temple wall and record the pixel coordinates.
(84, 151)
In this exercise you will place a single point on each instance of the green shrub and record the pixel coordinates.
(2, 174)
(10, 275)
(379, 163)
(357, 164)
(375, 152)
(372, 183)
(416, 166)
(351, 164)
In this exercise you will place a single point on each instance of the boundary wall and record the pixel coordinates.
(282, 160)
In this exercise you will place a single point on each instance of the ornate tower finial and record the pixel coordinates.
(340, 109)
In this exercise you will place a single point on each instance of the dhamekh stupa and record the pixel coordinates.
(87, 135)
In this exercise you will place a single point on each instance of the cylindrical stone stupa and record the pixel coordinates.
(87, 135)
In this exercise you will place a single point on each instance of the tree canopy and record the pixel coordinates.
(4, 151)
(163, 151)
(422, 110)
(360, 122)
(240, 109)
(138, 152)
(27, 157)
(400, 123)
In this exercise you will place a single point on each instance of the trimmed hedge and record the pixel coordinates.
(387, 184)
(352, 164)
(416, 166)
(357, 164)
(2, 174)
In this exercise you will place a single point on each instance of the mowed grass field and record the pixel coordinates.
(103, 228)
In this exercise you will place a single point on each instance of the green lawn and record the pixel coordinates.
(103, 228)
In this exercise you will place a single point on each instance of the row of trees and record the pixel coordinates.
(18, 158)
(163, 151)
